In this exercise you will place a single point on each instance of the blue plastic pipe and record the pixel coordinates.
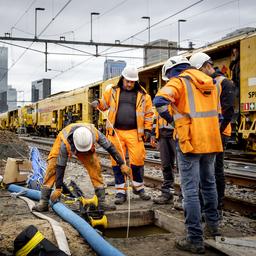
(99, 245)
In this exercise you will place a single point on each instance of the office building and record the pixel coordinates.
(11, 98)
(40, 89)
(113, 68)
(3, 78)
(152, 56)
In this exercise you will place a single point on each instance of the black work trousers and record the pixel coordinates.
(167, 156)
(219, 172)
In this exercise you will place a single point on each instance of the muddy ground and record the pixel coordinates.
(15, 217)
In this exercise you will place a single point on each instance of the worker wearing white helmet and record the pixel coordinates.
(226, 94)
(130, 113)
(192, 96)
(77, 139)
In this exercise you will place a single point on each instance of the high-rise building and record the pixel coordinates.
(152, 56)
(40, 89)
(113, 68)
(3, 78)
(11, 98)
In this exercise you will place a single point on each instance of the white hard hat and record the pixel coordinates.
(130, 73)
(172, 62)
(198, 59)
(82, 138)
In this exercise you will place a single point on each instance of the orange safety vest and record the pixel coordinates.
(195, 111)
(144, 112)
(63, 135)
(219, 80)
(161, 123)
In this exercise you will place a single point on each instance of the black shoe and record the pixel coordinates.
(211, 231)
(186, 245)
(120, 198)
(142, 194)
(164, 199)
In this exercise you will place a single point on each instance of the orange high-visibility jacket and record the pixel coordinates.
(160, 123)
(218, 84)
(195, 111)
(63, 135)
(144, 112)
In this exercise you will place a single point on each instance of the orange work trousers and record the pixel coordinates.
(129, 140)
(89, 160)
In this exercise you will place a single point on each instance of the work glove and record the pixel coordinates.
(126, 170)
(95, 103)
(153, 141)
(147, 135)
(55, 196)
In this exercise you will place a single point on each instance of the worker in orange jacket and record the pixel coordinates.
(194, 103)
(130, 114)
(226, 94)
(77, 139)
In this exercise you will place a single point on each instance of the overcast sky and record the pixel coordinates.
(118, 20)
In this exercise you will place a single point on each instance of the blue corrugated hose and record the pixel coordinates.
(99, 245)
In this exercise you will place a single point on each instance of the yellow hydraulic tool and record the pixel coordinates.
(89, 207)
(103, 222)
(91, 201)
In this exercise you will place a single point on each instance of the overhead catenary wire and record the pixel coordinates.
(23, 53)
(23, 47)
(58, 13)
(86, 23)
(26, 11)
(180, 11)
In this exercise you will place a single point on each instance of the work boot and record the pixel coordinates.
(100, 193)
(211, 231)
(43, 204)
(142, 194)
(120, 198)
(164, 198)
(185, 245)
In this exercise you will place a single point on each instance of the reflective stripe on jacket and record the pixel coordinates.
(63, 135)
(144, 112)
(160, 123)
(195, 108)
(218, 84)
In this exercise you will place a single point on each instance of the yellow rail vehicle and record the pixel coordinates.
(4, 121)
(53, 113)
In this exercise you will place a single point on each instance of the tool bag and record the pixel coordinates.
(32, 243)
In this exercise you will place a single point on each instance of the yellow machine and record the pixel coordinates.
(4, 124)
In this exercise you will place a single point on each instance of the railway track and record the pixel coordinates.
(238, 177)
(236, 172)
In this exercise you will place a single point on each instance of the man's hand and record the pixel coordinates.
(55, 196)
(147, 135)
(95, 103)
(126, 170)
(153, 141)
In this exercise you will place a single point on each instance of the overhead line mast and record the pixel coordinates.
(91, 43)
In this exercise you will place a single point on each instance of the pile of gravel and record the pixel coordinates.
(12, 146)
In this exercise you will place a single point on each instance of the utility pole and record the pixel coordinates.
(179, 21)
(37, 9)
(92, 14)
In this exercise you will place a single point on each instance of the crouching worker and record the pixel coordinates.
(77, 139)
